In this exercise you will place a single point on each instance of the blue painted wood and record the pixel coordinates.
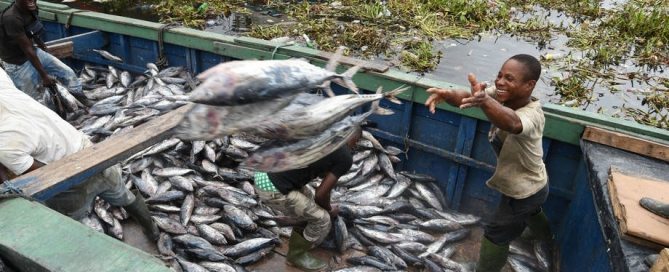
(457, 176)
(580, 238)
(82, 43)
(446, 145)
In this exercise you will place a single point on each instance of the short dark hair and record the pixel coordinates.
(531, 63)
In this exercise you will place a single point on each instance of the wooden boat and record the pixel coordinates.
(450, 145)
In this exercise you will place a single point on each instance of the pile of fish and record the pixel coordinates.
(117, 101)
(201, 194)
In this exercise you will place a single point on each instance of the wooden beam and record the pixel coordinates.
(61, 50)
(71, 170)
(626, 142)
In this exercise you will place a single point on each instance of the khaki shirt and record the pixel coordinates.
(520, 170)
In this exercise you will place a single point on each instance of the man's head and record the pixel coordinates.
(26, 5)
(516, 80)
(353, 141)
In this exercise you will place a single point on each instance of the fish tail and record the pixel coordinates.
(391, 94)
(334, 60)
(377, 109)
(346, 79)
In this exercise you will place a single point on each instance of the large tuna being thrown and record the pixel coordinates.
(250, 81)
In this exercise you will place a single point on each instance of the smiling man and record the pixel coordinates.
(515, 135)
(27, 65)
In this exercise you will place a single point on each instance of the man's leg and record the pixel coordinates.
(114, 192)
(56, 68)
(25, 77)
(303, 238)
(507, 224)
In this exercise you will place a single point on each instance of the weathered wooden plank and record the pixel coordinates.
(74, 169)
(61, 50)
(627, 142)
(36, 238)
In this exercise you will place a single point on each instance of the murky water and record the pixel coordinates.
(482, 57)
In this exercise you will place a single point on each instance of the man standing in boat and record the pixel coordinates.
(283, 192)
(516, 138)
(31, 136)
(27, 65)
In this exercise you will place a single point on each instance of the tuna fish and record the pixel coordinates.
(244, 82)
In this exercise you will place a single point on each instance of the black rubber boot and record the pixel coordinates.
(138, 210)
(298, 253)
(492, 257)
(656, 207)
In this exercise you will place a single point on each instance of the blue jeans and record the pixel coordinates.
(27, 79)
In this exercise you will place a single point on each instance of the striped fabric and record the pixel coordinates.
(263, 183)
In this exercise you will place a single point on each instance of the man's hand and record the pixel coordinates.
(437, 96)
(478, 96)
(47, 81)
(334, 211)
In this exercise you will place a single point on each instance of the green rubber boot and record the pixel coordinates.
(138, 210)
(540, 233)
(539, 227)
(298, 253)
(492, 257)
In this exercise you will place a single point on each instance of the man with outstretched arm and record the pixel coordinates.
(516, 138)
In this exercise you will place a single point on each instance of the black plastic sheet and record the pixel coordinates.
(623, 255)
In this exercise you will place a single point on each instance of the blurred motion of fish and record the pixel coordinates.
(249, 81)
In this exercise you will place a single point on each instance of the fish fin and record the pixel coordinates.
(326, 87)
(377, 109)
(384, 111)
(391, 94)
(346, 79)
(334, 60)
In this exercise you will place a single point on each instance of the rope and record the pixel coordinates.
(69, 18)
(161, 62)
(288, 43)
(9, 189)
(14, 196)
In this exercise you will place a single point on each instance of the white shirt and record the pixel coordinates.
(30, 131)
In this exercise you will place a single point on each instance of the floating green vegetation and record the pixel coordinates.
(580, 9)
(572, 88)
(424, 59)
(370, 28)
(267, 32)
(194, 14)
